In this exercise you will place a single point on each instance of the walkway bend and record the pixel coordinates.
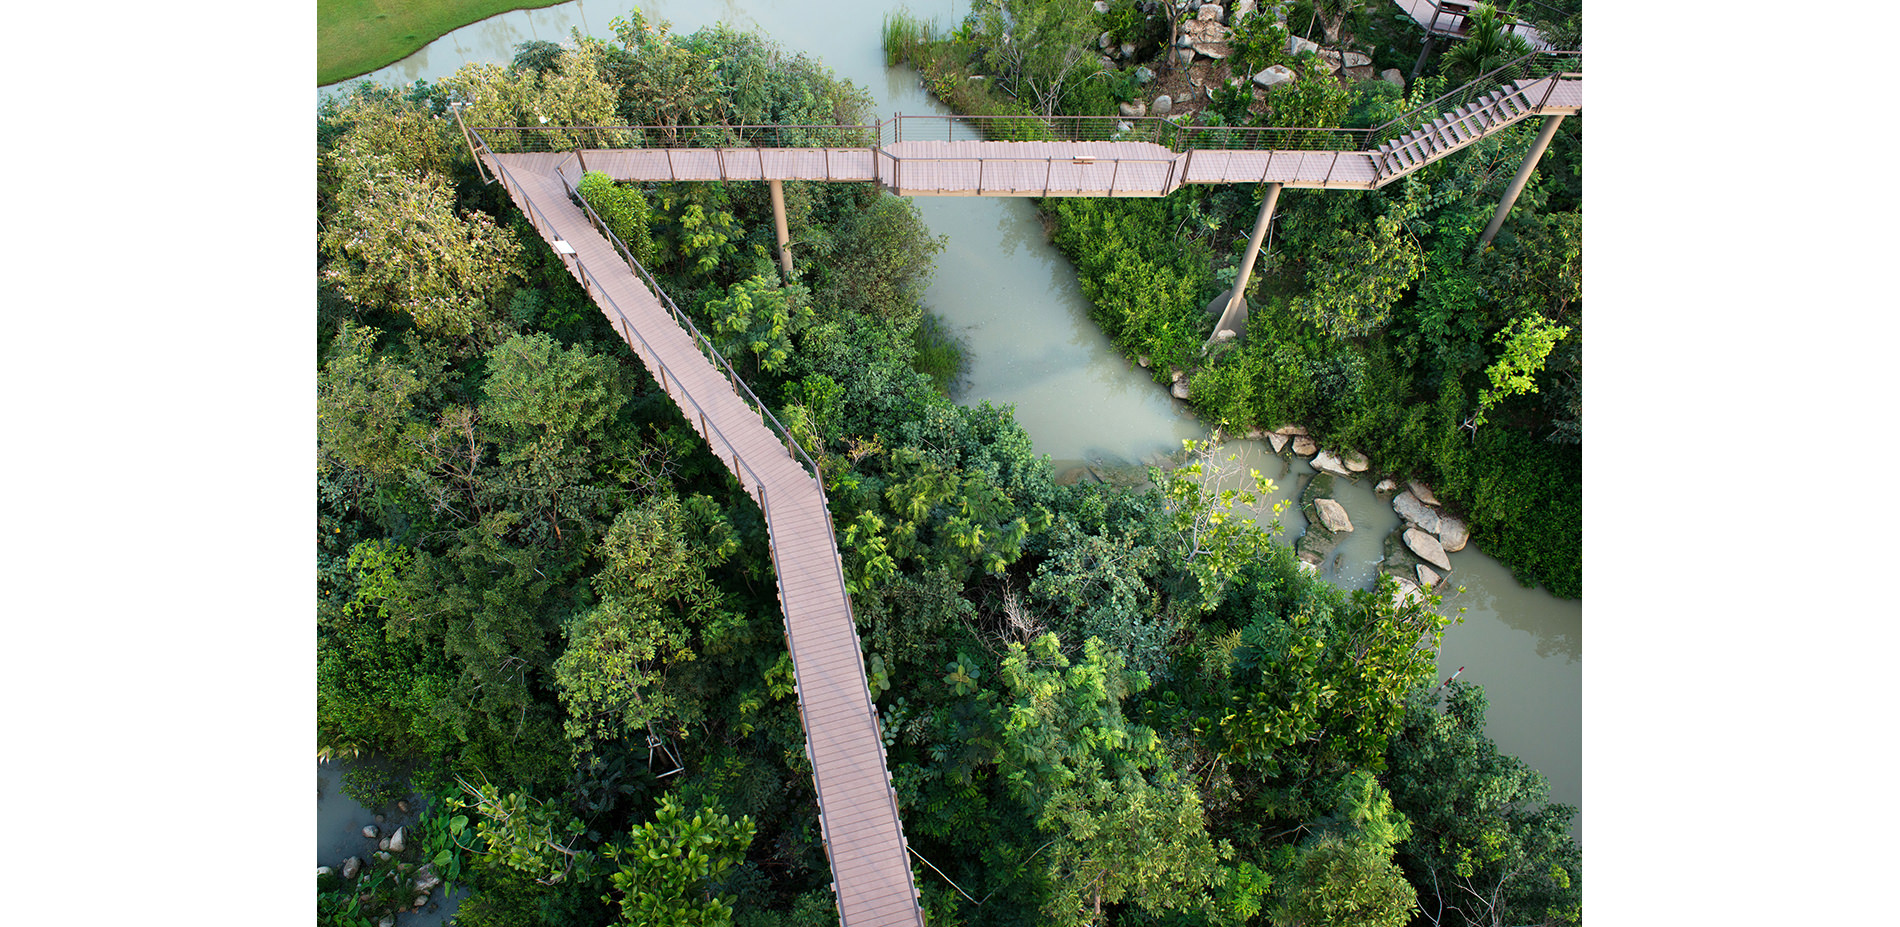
(857, 807)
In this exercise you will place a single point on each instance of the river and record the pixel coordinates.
(1015, 299)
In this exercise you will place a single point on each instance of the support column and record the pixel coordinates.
(784, 236)
(1523, 175)
(1236, 307)
(1423, 53)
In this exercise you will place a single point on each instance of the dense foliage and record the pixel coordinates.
(538, 587)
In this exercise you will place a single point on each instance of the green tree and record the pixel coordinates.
(1345, 876)
(573, 93)
(1068, 754)
(1215, 541)
(396, 242)
(1358, 276)
(1489, 44)
(668, 865)
(759, 317)
(369, 407)
(1487, 847)
(625, 211)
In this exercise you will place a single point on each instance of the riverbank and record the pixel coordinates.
(355, 37)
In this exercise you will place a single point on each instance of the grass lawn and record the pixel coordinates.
(355, 37)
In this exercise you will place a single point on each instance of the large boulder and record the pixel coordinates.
(1289, 430)
(1416, 513)
(1406, 592)
(352, 866)
(1393, 76)
(1206, 35)
(1179, 390)
(1105, 41)
(1273, 76)
(1163, 105)
(1330, 463)
(1135, 110)
(370, 831)
(1427, 548)
(395, 840)
(1101, 6)
(1452, 534)
(1357, 462)
(1144, 75)
(1333, 514)
(1428, 578)
(1386, 485)
(1295, 45)
(1423, 492)
(1278, 441)
(1210, 12)
(1240, 10)
(1304, 446)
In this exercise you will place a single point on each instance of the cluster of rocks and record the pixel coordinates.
(423, 879)
(1416, 553)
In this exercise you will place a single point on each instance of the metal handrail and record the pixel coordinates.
(1491, 80)
(549, 138)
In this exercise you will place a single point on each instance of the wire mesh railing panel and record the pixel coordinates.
(1529, 67)
(529, 139)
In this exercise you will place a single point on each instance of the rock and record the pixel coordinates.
(1427, 547)
(1206, 35)
(1128, 49)
(427, 883)
(421, 901)
(1329, 462)
(1179, 389)
(1423, 492)
(395, 840)
(323, 871)
(1406, 592)
(1452, 534)
(1427, 577)
(1105, 41)
(1185, 56)
(403, 807)
(1210, 12)
(1357, 462)
(370, 832)
(389, 920)
(1393, 76)
(1143, 75)
(1304, 446)
(382, 844)
(1124, 126)
(1333, 515)
(379, 819)
(1295, 45)
(1289, 430)
(1134, 110)
(1071, 476)
(1225, 334)
(1175, 374)
(1278, 74)
(1241, 10)
(382, 856)
(1386, 485)
(1353, 59)
(1308, 566)
(1163, 105)
(1101, 6)
(352, 866)
(1143, 360)
(1278, 441)
(1360, 73)
(1416, 513)
(1108, 64)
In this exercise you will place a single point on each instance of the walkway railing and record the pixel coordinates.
(1560, 64)
(1155, 129)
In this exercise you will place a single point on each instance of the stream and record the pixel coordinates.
(1015, 301)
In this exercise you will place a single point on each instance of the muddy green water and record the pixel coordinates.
(1014, 298)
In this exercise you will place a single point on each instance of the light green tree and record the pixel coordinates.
(395, 241)
(1217, 537)
(1527, 342)
(668, 864)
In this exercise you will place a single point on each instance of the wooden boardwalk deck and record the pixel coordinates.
(1077, 168)
(858, 816)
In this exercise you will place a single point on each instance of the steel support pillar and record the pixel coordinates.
(1517, 183)
(1236, 300)
(784, 236)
